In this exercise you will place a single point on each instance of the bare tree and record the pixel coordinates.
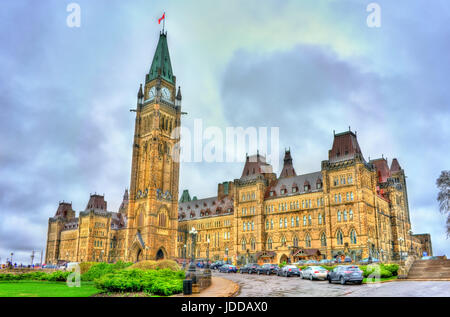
(443, 184)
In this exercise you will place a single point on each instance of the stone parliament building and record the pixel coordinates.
(350, 207)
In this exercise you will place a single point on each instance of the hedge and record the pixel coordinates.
(97, 270)
(57, 276)
(158, 282)
(155, 265)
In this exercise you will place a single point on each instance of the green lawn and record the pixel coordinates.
(45, 289)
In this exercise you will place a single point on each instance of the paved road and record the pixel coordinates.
(273, 286)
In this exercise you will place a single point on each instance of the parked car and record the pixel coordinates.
(314, 273)
(325, 261)
(216, 265)
(289, 270)
(228, 268)
(301, 262)
(268, 269)
(345, 274)
(312, 262)
(347, 259)
(368, 260)
(249, 268)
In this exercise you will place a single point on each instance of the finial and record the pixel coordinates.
(349, 129)
(334, 132)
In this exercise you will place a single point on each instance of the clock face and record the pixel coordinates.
(165, 93)
(152, 93)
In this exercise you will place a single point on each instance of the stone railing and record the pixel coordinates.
(201, 280)
(404, 269)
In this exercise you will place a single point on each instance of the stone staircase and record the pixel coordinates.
(430, 270)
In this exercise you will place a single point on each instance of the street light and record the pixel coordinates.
(191, 271)
(207, 255)
(410, 235)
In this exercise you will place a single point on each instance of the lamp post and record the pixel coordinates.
(192, 269)
(399, 248)
(12, 263)
(184, 254)
(411, 249)
(207, 255)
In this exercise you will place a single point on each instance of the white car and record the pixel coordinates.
(314, 273)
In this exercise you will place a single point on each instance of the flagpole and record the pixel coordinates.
(164, 21)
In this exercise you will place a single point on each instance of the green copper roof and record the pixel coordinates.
(185, 197)
(161, 61)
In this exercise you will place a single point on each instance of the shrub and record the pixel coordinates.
(383, 271)
(393, 268)
(158, 282)
(97, 270)
(57, 276)
(156, 265)
(85, 266)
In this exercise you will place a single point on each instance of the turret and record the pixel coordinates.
(140, 96)
(178, 98)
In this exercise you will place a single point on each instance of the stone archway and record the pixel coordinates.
(283, 258)
(136, 253)
(160, 255)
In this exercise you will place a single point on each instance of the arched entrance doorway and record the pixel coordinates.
(159, 255)
(136, 253)
(283, 259)
(139, 255)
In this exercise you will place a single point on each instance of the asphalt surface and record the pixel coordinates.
(254, 285)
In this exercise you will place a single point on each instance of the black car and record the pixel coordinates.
(216, 265)
(345, 274)
(249, 268)
(289, 270)
(268, 269)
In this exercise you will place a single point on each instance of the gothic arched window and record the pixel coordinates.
(243, 244)
(339, 238)
(295, 241)
(269, 244)
(323, 240)
(308, 241)
(353, 236)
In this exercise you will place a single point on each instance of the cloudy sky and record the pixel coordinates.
(307, 67)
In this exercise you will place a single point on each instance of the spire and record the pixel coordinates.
(395, 166)
(288, 169)
(179, 93)
(161, 65)
(140, 93)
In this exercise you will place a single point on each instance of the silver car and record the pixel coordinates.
(314, 273)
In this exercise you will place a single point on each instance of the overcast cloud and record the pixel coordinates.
(308, 68)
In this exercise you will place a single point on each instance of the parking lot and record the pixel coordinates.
(254, 285)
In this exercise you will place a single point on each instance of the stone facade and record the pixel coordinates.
(146, 225)
(350, 207)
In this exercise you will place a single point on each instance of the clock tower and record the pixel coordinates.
(153, 204)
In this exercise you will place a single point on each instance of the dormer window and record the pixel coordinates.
(319, 184)
(283, 191)
(271, 193)
(306, 186)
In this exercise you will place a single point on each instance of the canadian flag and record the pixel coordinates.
(162, 18)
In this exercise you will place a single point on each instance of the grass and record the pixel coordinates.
(45, 289)
(383, 279)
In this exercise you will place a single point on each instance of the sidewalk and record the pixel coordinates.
(220, 287)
